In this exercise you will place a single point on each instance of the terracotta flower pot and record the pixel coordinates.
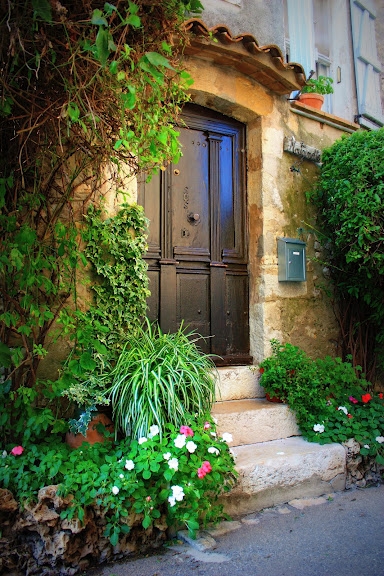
(273, 398)
(92, 435)
(312, 99)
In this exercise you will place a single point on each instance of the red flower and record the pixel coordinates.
(261, 370)
(186, 430)
(17, 450)
(349, 415)
(366, 398)
(353, 400)
(380, 395)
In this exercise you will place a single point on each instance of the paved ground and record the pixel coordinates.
(339, 536)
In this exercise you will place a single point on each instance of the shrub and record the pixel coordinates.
(331, 403)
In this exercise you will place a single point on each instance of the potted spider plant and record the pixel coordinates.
(312, 94)
(158, 378)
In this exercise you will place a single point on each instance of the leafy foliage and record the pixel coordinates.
(158, 378)
(130, 477)
(330, 401)
(349, 197)
(320, 85)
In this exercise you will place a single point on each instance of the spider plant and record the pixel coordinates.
(158, 379)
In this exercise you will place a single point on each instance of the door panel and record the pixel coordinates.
(197, 262)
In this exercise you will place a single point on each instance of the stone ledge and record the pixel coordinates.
(276, 472)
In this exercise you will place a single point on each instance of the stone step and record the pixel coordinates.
(236, 383)
(275, 472)
(254, 420)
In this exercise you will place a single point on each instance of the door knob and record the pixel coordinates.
(193, 218)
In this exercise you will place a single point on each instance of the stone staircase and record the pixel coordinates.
(274, 462)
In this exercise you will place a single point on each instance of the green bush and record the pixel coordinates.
(349, 197)
(331, 403)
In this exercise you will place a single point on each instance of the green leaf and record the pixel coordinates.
(157, 59)
(5, 356)
(114, 539)
(134, 21)
(102, 44)
(147, 522)
(98, 18)
(73, 111)
(86, 361)
(42, 9)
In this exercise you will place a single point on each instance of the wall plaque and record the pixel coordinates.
(301, 149)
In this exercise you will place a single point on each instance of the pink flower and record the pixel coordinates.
(207, 467)
(186, 430)
(353, 400)
(17, 450)
(148, 498)
(366, 398)
(200, 473)
(207, 426)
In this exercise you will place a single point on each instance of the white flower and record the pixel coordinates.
(343, 409)
(129, 464)
(121, 476)
(366, 446)
(167, 456)
(180, 441)
(227, 437)
(214, 419)
(213, 434)
(115, 490)
(153, 431)
(177, 493)
(4, 454)
(379, 439)
(191, 446)
(142, 440)
(319, 428)
(173, 463)
(171, 500)
(213, 450)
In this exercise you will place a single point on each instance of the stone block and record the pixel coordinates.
(255, 420)
(237, 382)
(279, 471)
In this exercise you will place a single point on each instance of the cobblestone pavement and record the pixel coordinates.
(339, 535)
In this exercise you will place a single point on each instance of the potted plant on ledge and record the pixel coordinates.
(312, 94)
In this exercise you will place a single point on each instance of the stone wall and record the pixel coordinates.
(37, 541)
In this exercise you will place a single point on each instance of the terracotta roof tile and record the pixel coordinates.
(265, 64)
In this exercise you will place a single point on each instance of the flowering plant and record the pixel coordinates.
(180, 475)
(331, 402)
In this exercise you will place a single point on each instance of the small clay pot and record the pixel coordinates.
(273, 398)
(92, 434)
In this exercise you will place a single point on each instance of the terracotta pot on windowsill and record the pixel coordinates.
(312, 99)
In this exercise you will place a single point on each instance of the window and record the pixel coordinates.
(307, 38)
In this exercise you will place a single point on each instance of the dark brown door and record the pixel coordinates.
(197, 261)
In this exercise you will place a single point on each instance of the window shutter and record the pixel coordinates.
(367, 65)
(301, 34)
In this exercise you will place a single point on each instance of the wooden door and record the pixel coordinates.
(197, 261)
